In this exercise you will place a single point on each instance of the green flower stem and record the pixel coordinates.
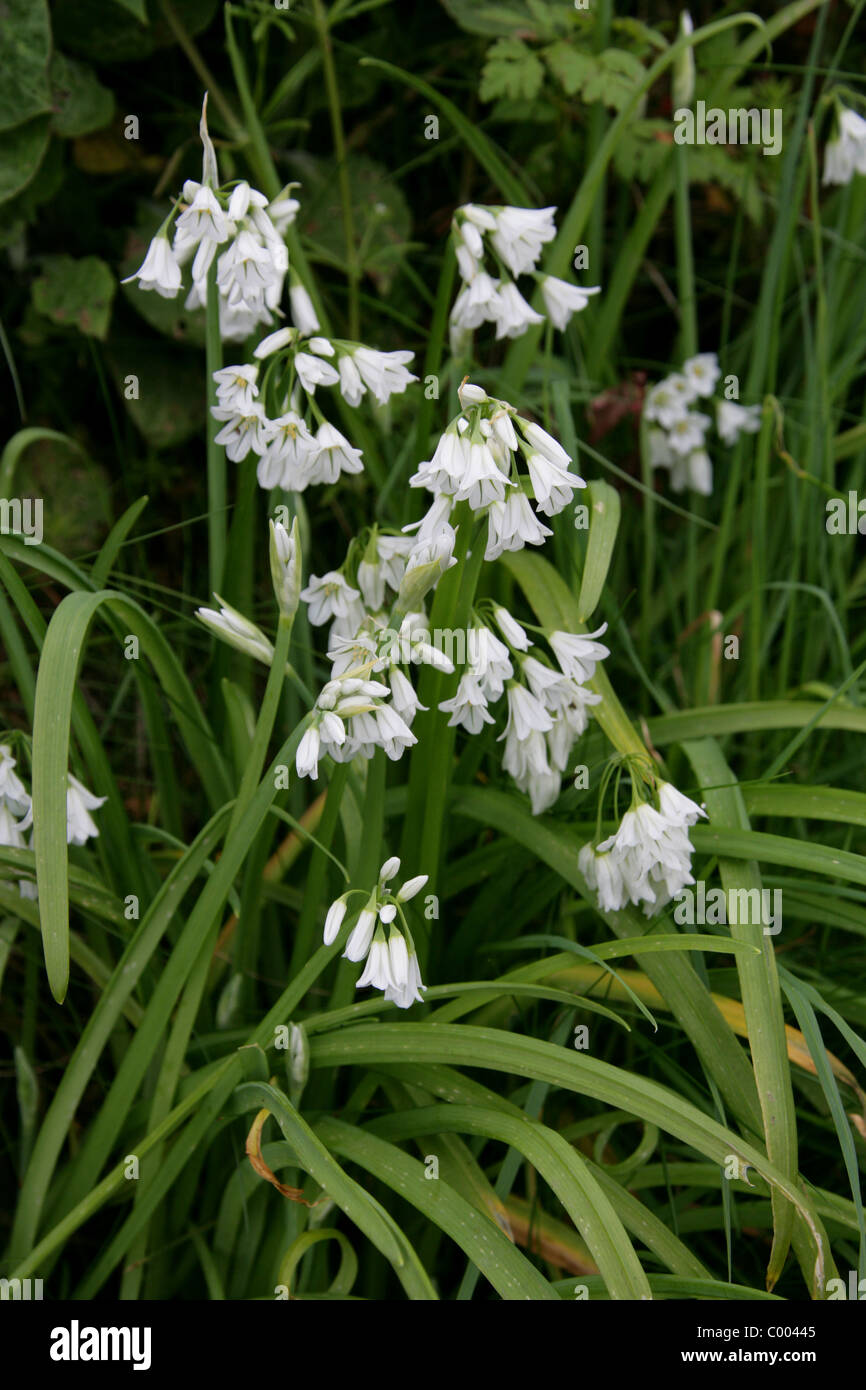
(216, 459)
(613, 720)
(258, 151)
(437, 738)
(199, 66)
(240, 552)
(352, 266)
(649, 541)
(264, 723)
(370, 854)
(688, 335)
(688, 341)
(315, 884)
(435, 343)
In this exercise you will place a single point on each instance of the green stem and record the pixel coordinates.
(688, 334)
(199, 66)
(649, 541)
(264, 723)
(216, 459)
(315, 884)
(333, 92)
(688, 339)
(440, 738)
(259, 153)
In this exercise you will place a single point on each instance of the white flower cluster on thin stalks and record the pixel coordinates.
(386, 578)
(492, 477)
(379, 939)
(676, 438)
(509, 241)
(250, 271)
(16, 812)
(296, 446)
(647, 860)
(845, 154)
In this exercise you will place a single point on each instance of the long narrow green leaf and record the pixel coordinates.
(761, 993)
(368, 1044)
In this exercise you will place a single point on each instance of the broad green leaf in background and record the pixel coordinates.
(80, 102)
(22, 153)
(76, 293)
(381, 216)
(124, 31)
(166, 400)
(16, 446)
(25, 47)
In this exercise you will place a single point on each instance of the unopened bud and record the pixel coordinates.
(683, 86)
(285, 554)
(237, 630)
(425, 567)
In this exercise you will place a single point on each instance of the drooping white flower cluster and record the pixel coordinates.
(547, 705)
(379, 630)
(677, 437)
(16, 812)
(351, 717)
(512, 238)
(356, 712)
(275, 418)
(251, 270)
(647, 860)
(387, 948)
(845, 154)
(477, 461)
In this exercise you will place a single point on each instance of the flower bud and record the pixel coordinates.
(468, 395)
(285, 554)
(334, 921)
(280, 338)
(237, 630)
(683, 87)
(425, 567)
(303, 313)
(411, 887)
(209, 173)
(389, 869)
